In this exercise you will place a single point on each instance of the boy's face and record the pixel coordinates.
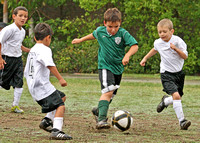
(112, 27)
(165, 33)
(21, 18)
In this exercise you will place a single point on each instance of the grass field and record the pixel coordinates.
(138, 94)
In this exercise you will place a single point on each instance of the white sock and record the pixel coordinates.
(58, 123)
(178, 109)
(17, 95)
(168, 100)
(51, 115)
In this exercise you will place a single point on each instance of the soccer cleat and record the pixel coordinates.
(59, 135)
(103, 124)
(46, 124)
(162, 105)
(16, 109)
(95, 112)
(185, 124)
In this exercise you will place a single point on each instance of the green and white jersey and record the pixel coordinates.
(112, 48)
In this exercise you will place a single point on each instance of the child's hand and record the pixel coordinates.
(76, 41)
(142, 63)
(2, 62)
(63, 83)
(172, 46)
(125, 60)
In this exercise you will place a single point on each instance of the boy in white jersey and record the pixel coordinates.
(11, 65)
(37, 72)
(173, 52)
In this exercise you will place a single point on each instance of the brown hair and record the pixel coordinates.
(15, 12)
(42, 30)
(165, 22)
(112, 14)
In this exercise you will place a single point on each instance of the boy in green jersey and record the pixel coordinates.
(112, 58)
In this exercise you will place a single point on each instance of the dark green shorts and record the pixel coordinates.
(12, 74)
(52, 102)
(173, 82)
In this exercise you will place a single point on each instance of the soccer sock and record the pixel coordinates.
(17, 95)
(103, 109)
(168, 100)
(178, 109)
(58, 123)
(51, 115)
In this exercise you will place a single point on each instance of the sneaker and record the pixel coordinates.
(103, 124)
(16, 109)
(162, 105)
(59, 135)
(46, 124)
(185, 124)
(95, 112)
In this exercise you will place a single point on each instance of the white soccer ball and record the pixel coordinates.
(122, 120)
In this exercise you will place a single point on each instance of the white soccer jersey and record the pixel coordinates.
(170, 59)
(11, 39)
(36, 72)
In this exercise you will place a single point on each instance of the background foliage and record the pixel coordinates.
(140, 18)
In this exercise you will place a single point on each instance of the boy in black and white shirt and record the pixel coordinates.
(173, 52)
(37, 73)
(11, 65)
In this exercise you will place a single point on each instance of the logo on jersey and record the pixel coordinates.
(118, 40)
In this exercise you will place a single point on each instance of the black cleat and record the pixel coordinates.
(185, 124)
(162, 105)
(59, 135)
(46, 124)
(103, 124)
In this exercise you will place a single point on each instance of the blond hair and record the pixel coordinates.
(165, 22)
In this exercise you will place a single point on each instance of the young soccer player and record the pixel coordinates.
(112, 40)
(37, 71)
(11, 66)
(173, 52)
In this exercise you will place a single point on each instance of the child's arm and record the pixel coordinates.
(131, 52)
(2, 62)
(181, 53)
(150, 54)
(88, 37)
(25, 49)
(55, 72)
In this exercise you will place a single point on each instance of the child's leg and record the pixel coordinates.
(177, 105)
(103, 105)
(59, 115)
(58, 119)
(51, 115)
(17, 96)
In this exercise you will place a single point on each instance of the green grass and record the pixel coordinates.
(83, 92)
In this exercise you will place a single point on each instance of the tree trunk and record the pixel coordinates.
(5, 11)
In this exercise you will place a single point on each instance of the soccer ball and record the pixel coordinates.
(122, 120)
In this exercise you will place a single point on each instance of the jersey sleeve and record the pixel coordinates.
(95, 33)
(5, 34)
(129, 39)
(182, 46)
(46, 58)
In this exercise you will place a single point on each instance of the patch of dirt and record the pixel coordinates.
(22, 128)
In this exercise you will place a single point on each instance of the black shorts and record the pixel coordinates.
(173, 82)
(12, 74)
(52, 102)
(109, 81)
